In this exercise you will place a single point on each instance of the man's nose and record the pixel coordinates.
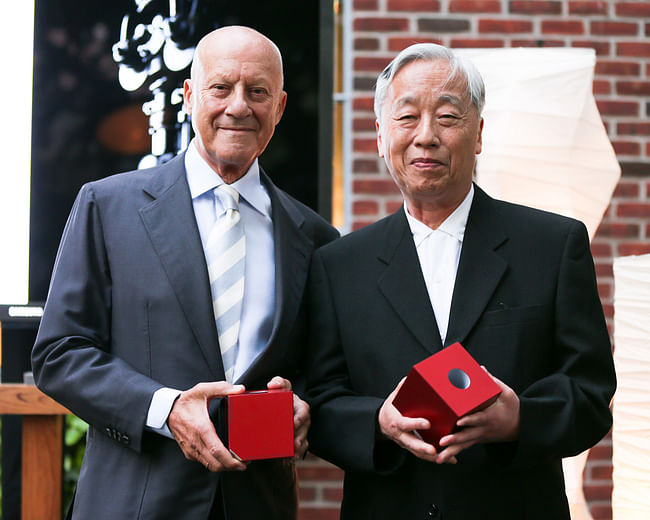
(427, 133)
(238, 104)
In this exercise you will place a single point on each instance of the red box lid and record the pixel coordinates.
(260, 424)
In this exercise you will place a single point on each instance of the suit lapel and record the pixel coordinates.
(293, 250)
(171, 225)
(402, 283)
(480, 268)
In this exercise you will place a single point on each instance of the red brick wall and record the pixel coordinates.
(619, 31)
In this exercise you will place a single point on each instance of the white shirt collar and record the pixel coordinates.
(454, 225)
(201, 178)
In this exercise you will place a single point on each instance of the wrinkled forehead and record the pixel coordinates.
(238, 51)
(430, 79)
(250, 70)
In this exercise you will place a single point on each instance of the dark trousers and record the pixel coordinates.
(217, 513)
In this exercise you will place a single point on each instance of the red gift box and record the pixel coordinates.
(443, 388)
(260, 424)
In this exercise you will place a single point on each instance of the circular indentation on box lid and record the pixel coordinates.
(459, 378)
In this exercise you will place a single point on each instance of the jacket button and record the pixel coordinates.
(433, 511)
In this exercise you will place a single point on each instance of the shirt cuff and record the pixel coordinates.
(161, 404)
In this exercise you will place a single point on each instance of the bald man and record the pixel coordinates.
(131, 339)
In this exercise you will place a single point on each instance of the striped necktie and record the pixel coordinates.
(226, 254)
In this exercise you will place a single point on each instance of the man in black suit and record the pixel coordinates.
(128, 340)
(515, 286)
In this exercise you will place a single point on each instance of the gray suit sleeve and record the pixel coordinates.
(71, 359)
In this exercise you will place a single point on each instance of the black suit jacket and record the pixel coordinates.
(129, 311)
(525, 305)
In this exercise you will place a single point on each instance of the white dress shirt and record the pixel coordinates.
(439, 253)
(259, 279)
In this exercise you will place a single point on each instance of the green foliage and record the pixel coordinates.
(74, 446)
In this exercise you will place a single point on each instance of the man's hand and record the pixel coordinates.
(499, 422)
(193, 430)
(402, 430)
(301, 417)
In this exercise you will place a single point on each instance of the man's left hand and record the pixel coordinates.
(499, 422)
(301, 417)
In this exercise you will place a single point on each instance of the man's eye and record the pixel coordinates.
(448, 119)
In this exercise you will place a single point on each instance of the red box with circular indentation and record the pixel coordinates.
(443, 388)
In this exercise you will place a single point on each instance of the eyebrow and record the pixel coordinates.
(444, 98)
(406, 100)
(450, 98)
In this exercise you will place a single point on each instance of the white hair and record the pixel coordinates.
(430, 52)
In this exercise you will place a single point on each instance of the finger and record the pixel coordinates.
(217, 389)
(301, 445)
(417, 446)
(300, 411)
(301, 421)
(463, 436)
(193, 443)
(475, 419)
(393, 427)
(214, 454)
(409, 424)
(300, 434)
(448, 455)
(192, 428)
(402, 430)
(278, 383)
(221, 459)
(392, 423)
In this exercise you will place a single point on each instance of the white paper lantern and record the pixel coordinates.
(545, 146)
(574, 468)
(544, 143)
(631, 431)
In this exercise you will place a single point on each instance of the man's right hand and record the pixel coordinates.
(402, 430)
(193, 430)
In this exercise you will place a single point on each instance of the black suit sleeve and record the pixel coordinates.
(344, 423)
(567, 411)
(71, 358)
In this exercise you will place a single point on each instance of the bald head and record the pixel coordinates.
(230, 37)
(234, 97)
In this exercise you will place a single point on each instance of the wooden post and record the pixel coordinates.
(42, 449)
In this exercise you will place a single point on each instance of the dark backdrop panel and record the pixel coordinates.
(76, 89)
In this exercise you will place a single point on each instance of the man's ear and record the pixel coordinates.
(280, 108)
(187, 95)
(479, 138)
(380, 148)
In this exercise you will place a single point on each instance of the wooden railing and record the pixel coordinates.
(42, 452)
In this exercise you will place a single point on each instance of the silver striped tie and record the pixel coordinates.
(226, 253)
